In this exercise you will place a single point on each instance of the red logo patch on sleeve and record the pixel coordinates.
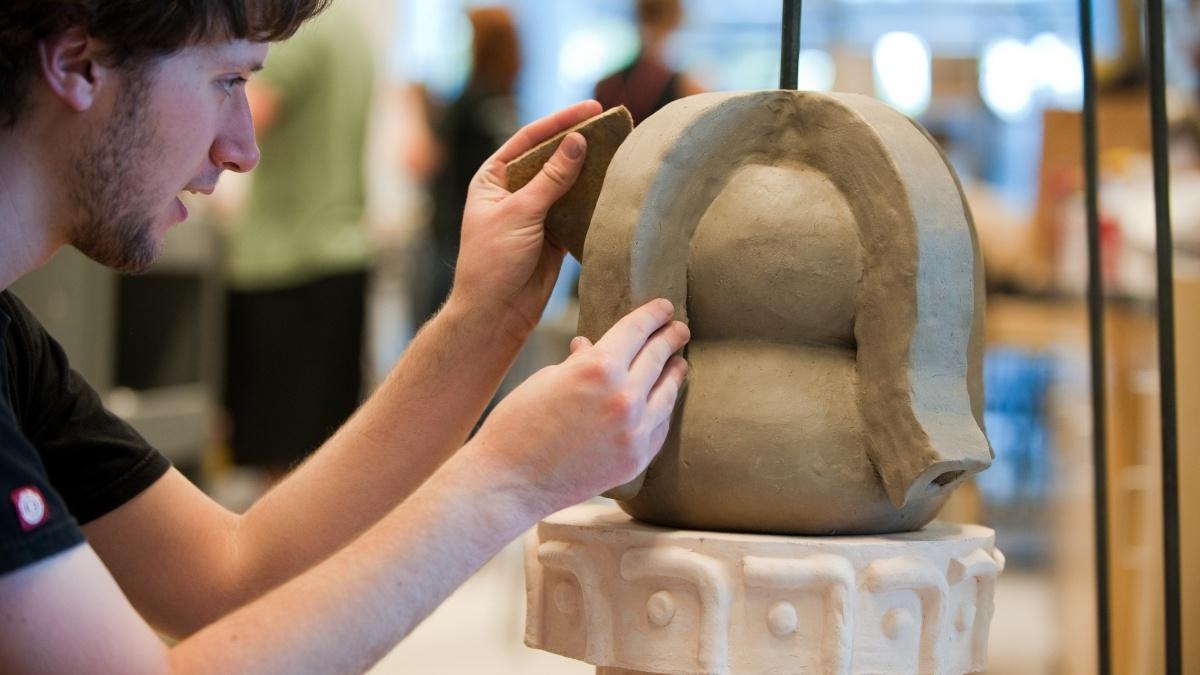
(30, 505)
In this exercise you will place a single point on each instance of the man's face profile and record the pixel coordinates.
(172, 124)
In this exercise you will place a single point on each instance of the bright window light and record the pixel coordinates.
(816, 70)
(589, 54)
(580, 53)
(1007, 79)
(902, 72)
(1059, 69)
(433, 46)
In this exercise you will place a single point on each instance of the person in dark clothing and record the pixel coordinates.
(469, 130)
(648, 84)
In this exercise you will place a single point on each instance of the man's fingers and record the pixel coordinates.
(536, 132)
(648, 364)
(579, 342)
(627, 336)
(665, 391)
(659, 435)
(557, 175)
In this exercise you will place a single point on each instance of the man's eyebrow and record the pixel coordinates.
(254, 66)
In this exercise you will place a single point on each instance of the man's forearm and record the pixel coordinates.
(347, 612)
(416, 419)
(572, 430)
(424, 410)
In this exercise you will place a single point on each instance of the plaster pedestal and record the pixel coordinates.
(630, 597)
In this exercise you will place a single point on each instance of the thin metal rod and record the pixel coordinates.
(1163, 249)
(1095, 305)
(789, 53)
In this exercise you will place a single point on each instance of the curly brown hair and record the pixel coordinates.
(133, 31)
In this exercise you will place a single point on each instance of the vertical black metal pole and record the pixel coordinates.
(1163, 249)
(1095, 305)
(789, 53)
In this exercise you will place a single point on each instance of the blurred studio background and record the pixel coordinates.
(373, 119)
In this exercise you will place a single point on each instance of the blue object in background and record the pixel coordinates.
(1016, 386)
(1018, 486)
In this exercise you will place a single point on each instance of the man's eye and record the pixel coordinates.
(231, 83)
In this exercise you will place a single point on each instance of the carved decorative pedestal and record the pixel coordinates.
(629, 597)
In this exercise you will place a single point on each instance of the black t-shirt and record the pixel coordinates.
(64, 459)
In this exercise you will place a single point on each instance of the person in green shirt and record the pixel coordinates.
(297, 255)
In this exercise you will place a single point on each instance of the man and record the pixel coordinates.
(109, 109)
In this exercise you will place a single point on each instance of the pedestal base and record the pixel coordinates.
(626, 596)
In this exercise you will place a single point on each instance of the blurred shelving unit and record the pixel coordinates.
(1057, 327)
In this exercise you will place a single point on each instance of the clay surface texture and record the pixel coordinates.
(822, 253)
(626, 596)
(568, 219)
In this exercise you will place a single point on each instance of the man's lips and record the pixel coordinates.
(181, 212)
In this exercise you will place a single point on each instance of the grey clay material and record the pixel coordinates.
(822, 253)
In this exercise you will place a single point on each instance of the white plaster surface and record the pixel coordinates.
(488, 614)
(610, 591)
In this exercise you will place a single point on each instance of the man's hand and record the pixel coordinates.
(185, 561)
(596, 420)
(505, 260)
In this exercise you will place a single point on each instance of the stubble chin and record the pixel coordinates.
(122, 245)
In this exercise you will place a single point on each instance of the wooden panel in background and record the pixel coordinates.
(1187, 348)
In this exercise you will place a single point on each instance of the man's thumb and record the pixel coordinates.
(559, 173)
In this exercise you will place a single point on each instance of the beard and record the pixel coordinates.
(115, 222)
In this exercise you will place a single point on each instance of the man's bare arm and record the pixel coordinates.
(66, 614)
(185, 561)
(572, 430)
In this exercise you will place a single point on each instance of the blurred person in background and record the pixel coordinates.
(297, 254)
(468, 131)
(648, 83)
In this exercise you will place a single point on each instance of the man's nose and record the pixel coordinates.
(235, 148)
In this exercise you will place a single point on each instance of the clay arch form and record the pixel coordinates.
(918, 318)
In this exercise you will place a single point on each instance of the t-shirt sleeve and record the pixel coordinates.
(34, 521)
(95, 460)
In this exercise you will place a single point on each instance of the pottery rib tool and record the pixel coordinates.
(570, 216)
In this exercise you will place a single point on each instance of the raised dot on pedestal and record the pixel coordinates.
(965, 617)
(565, 598)
(660, 608)
(782, 620)
(896, 623)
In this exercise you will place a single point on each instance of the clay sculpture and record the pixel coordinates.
(821, 250)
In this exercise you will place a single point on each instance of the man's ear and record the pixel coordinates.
(71, 65)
